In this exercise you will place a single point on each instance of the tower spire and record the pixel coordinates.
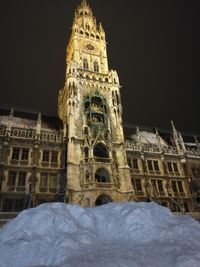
(84, 3)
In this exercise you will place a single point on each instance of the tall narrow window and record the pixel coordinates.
(15, 153)
(12, 178)
(25, 154)
(45, 157)
(53, 183)
(180, 187)
(43, 182)
(137, 184)
(175, 167)
(169, 166)
(135, 164)
(54, 157)
(174, 187)
(96, 66)
(85, 64)
(160, 185)
(129, 162)
(150, 165)
(156, 167)
(22, 179)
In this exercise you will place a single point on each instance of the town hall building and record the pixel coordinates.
(86, 155)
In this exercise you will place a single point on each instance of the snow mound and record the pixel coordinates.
(113, 235)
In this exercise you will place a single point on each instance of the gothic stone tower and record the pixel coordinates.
(90, 108)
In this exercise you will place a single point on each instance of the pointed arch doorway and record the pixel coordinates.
(102, 199)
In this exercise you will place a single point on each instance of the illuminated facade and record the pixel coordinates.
(87, 157)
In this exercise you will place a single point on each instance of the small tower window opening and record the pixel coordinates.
(85, 64)
(102, 176)
(81, 32)
(96, 66)
(98, 37)
(86, 152)
(100, 152)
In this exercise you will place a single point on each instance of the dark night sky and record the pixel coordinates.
(153, 44)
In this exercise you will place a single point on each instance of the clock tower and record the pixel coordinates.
(89, 106)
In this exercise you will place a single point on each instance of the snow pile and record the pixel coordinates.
(116, 234)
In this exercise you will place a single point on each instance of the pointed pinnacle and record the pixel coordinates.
(84, 3)
(173, 127)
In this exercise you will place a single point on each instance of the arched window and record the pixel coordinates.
(96, 66)
(85, 64)
(100, 151)
(102, 176)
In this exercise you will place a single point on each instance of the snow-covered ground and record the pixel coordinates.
(117, 234)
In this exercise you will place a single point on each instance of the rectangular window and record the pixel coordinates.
(172, 167)
(138, 185)
(153, 165)
(180, 187)
(175, 167)
(169, 166)
(12, 178)
(129, 162)
(174, 187)
(135, 164)
(156, 167)
(153, 182)
(54, 157)
(53, 181)
(45, 157)
(25, 154)
(160, 185)
(15, 153)
(22, 179)
(43, 182)
(150, 165)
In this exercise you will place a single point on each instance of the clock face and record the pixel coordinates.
(90, 47)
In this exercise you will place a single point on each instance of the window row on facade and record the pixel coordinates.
(30, 134)
(158, 186)
(19, 181)
(23, 154)
(94, 67)
(154, 166)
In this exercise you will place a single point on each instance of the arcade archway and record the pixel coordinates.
(102, 199)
